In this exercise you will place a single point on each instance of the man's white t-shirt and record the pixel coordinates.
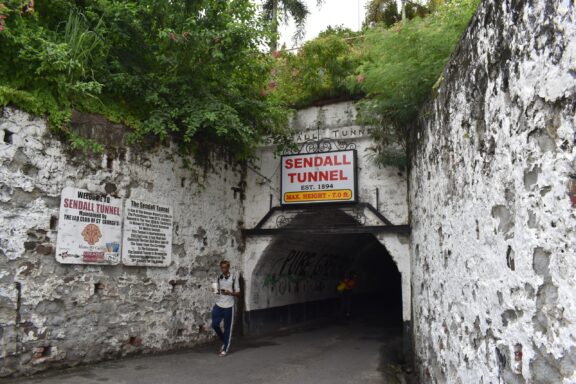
(231, 285)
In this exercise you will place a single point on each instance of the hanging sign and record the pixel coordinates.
(89, 228)
(325, 177)
(147, 234)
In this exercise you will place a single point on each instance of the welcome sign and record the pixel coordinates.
(89, 228)
(325, 177)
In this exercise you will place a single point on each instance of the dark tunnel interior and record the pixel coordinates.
(296, 279)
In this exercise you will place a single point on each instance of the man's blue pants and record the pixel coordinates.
(226, 314)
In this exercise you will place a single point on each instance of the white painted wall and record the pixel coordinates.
(138, 309)
(494, 241)
(143, 309)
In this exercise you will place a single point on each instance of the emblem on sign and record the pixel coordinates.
(91, 234)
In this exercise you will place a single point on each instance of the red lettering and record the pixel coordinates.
(308, 162)
(336, 162)
(298, 163)
(300, 177)
(318, 162)
(107, 209)
(81, 205)
(345, 161)
(288, 164)
(328, 161)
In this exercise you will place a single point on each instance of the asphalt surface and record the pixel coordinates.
(362, 351)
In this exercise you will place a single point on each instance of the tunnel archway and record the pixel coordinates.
(295, 277)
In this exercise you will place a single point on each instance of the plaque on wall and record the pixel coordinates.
(147, 239)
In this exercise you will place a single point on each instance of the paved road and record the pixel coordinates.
(360, 352)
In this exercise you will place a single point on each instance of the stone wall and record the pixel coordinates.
(493, 175)
(55, 315)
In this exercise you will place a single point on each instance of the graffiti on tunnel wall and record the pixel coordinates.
(302, 272)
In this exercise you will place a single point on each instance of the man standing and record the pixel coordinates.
(227, 290)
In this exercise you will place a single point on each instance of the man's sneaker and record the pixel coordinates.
(222, 348)
(223, 353)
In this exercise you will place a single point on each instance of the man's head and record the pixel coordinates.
(225, 267)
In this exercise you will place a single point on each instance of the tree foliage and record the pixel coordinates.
(276, 11)
(188, 70)
(318, 71)
(394, 67)
(387, 12)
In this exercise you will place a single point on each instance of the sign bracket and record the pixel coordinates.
(261, 229)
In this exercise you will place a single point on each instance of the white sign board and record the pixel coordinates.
(89, 228)
(147, 237)
(325, 177)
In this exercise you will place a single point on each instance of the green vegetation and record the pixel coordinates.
(394, 67)
(401, 64)
(319, 71)
(190, 70)
(387, 12)
(194, 71)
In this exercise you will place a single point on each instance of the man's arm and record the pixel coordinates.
(229, 293)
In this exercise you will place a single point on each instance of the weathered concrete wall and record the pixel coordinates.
(55, 315)
(494, 242)
(337, 122)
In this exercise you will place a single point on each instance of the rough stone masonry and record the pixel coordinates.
(54, 315)
(492, 203)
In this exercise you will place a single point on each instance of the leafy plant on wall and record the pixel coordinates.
(392, 67)
(188, 71)
(401, 65)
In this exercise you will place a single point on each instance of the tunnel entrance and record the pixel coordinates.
(295, 278)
